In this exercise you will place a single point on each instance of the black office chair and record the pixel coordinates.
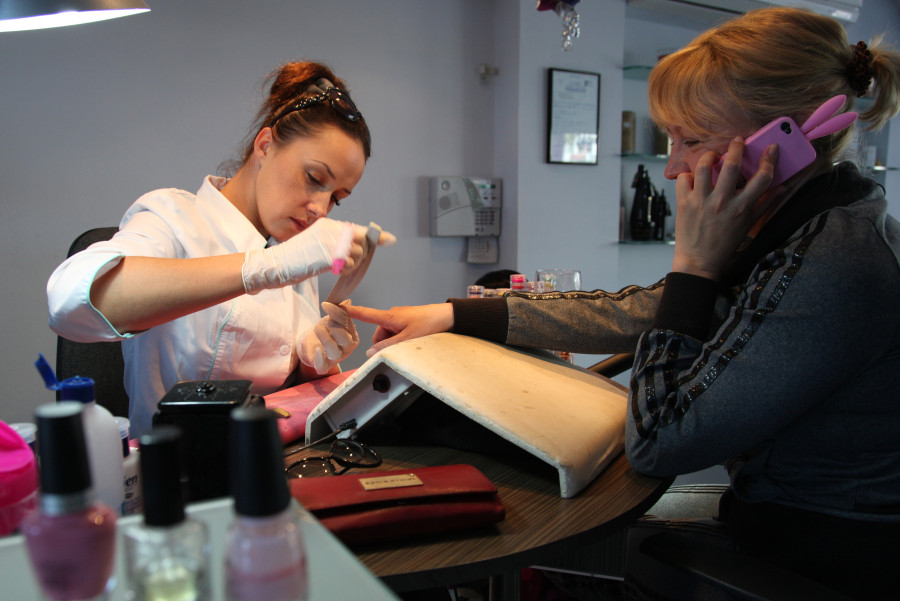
(739, 575)
(100, 361)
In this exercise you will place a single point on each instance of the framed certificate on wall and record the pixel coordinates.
(573, 117)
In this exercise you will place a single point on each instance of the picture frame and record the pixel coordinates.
(573, 119)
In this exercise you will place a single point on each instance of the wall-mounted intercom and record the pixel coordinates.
(465, 206)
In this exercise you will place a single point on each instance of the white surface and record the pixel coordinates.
(561, 414)
(334, 572)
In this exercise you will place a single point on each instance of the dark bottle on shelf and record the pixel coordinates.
(658, 212)
(641, 224)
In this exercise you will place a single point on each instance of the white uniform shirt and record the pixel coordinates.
(247, 338)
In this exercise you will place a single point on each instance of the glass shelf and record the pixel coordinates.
(647, 242)
(636, 72)
(636, 156)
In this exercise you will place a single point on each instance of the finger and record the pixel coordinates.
(684, 185)
(367, 314)
(382, 333)
(329, 345)
(386, 239)
(319, 362)
(337, 313)
(702, 180)
(762, 179)
(342, 338)
(384, 344)
(731, 166)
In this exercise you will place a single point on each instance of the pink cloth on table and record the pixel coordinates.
(299, 401)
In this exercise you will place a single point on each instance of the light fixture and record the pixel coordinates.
(20, 15)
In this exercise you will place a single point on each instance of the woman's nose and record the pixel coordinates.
(675, 166)
(318, 205)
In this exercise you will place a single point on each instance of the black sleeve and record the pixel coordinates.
(486, 318)
(687, 305)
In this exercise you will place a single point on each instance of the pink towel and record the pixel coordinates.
(299, 402)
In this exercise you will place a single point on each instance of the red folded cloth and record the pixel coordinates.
(380, 506)
(298, 402)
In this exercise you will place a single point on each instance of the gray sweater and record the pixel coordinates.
(786, 371)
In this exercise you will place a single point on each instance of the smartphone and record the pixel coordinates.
(794, 151)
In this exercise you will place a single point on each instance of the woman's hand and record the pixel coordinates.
(307, 254)
(403, 323)
(331, 340)
(711, 222)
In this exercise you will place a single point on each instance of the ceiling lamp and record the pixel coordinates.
(20, 15)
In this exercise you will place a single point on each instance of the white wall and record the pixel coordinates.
(93, 116)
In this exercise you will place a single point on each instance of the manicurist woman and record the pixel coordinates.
(222, 284)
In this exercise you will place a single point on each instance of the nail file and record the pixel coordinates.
(346, 284)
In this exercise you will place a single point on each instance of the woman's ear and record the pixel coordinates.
(262, 145)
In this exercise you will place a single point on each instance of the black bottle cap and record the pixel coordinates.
(161, 482)
(258, 483)
(62, 450)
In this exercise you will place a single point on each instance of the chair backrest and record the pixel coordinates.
(100, 361)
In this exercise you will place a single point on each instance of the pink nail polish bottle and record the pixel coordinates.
(264, 557)
(70, 537)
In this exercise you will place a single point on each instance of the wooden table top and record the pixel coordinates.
(538, 521)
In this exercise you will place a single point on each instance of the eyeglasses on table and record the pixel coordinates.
(343, 455)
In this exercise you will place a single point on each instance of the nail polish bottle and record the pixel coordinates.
(264, 556)
(167, 555)
(70, 537)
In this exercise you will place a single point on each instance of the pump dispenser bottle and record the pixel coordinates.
(264, 555)
(71, 537)
(167, 555)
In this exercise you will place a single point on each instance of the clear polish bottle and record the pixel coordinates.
(264, 556)
(168, 554)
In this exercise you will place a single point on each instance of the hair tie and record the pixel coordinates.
(860, 69)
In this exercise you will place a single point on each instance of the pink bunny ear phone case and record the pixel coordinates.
(794, 150)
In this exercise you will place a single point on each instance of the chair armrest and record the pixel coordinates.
(613, 365)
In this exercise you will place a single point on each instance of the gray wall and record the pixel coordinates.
(93, 116)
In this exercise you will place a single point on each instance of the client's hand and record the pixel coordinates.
(712, 221)
(307, 254)
(403, 323)
(331, 340)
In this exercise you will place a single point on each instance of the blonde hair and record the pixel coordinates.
(769, 63)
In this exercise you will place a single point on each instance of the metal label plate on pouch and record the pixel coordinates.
(395, 481)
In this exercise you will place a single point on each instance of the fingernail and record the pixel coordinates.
(370, 352)
(773, 150)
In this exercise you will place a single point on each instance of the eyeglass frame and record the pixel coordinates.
(332, 457)
(339, 100)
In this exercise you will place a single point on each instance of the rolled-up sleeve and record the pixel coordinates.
(72, 315)
(68, 297)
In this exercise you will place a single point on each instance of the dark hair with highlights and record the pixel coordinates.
(288, 84)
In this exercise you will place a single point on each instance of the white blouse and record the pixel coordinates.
(247, 338)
